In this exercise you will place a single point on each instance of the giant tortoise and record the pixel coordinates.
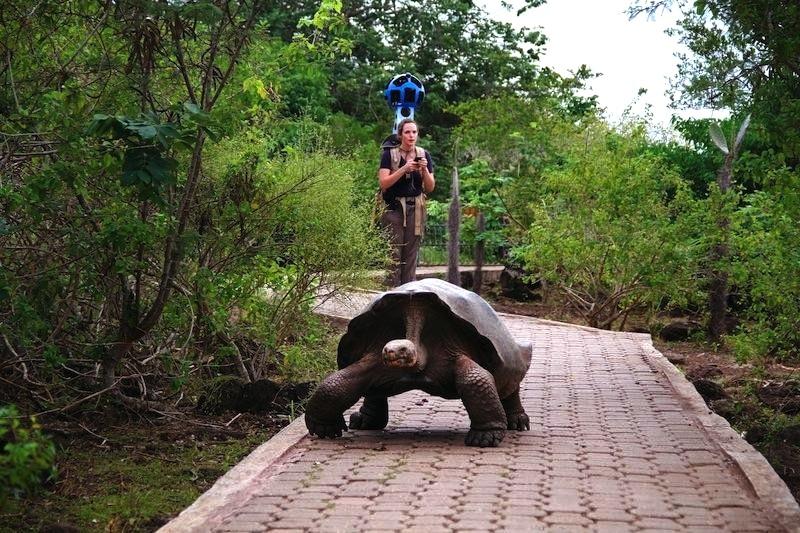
(428, 335)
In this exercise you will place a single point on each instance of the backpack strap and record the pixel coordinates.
(395, 153)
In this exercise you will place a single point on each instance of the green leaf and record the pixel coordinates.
(100, 124)
(700, 6)
(129, 177)
(192, 109)
(146, 132)
(202, 11)
(212, 134)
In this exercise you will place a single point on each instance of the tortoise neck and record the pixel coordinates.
(415, 319)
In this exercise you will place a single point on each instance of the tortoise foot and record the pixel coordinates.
(361, 420)
(519, 421)
(484, 438)
(326, 428)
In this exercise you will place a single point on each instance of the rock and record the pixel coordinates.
(221, 394)
(756, 434)
(259, 395)
(59, 528)
(709, 371)
(229, 393)
(267, 395)
(709, 390)
(514, 286)
(790, 434)
(679, 330)
(675, 358)
(724, 407)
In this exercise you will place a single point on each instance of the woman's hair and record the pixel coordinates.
(403, 125)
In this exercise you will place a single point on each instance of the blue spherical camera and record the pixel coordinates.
(404, 93)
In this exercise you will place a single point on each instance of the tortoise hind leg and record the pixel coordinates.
(516, 416)
(477, 389)
(374, 413)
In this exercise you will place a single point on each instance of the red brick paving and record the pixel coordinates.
(619, 442)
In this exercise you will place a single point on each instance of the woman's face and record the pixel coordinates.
(409, 134)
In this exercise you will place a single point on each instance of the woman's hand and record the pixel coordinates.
(410, 166)
(422, 163)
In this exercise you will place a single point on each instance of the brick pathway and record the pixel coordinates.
(619, 441)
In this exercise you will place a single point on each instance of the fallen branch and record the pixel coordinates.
(105, 439)
(232, 420)
(75, 404)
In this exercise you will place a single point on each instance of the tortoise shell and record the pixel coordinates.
(384, 320)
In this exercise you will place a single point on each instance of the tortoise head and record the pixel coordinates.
(400, 353)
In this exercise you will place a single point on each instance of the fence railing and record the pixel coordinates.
(436, 237)
(433, 250)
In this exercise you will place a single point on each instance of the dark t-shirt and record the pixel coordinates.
(408, 185)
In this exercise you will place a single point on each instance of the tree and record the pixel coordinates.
(458, 52)
(509, 142)
(743, 56)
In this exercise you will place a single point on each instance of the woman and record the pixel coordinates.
(405, 175)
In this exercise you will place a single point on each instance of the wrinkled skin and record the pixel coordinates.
(437, 356)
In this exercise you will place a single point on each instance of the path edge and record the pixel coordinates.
(213, 505)
(763, 479)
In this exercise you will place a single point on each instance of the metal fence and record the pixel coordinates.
(433, 250)
(436, 238)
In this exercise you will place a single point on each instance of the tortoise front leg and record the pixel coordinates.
(516, 416)
(374, 413)
(477, 389)
(338, 392)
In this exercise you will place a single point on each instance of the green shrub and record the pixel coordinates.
(28, 456)
(608, 227)
(766, 271)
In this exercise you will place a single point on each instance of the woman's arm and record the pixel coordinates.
(428, 181)
(387, 178)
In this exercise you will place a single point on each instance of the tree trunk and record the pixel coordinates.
(718, 297)
(719, 257)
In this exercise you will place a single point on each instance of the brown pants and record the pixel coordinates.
(405, 245)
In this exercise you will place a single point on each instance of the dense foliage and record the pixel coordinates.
(607, 227)
(164, 211)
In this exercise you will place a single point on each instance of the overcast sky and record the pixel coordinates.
(630, 54)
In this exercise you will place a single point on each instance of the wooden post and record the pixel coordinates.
(480, 252)
(453, 227)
